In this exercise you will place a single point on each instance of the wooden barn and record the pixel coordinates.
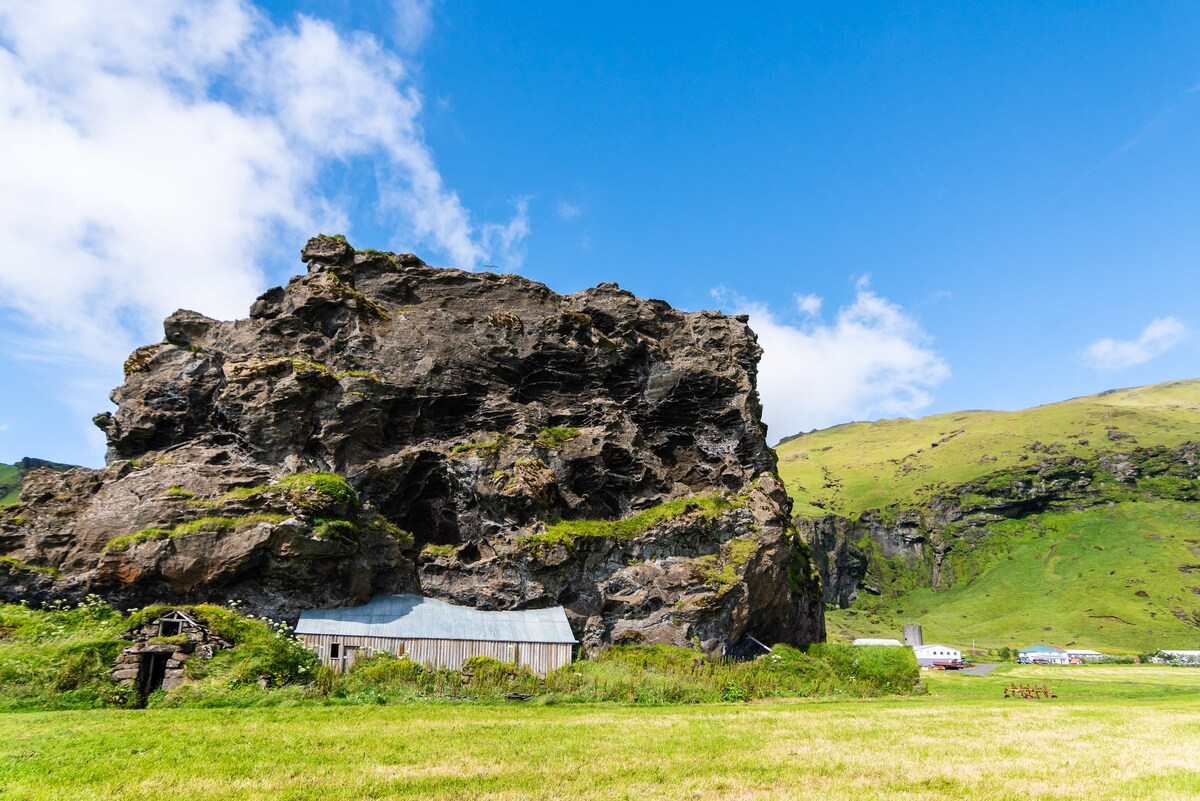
(437, 634)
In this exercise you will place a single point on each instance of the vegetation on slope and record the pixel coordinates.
(850, 468)
(1120, 578)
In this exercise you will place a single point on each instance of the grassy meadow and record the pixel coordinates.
(1116, 732)
(1110, 578)
(850, 468)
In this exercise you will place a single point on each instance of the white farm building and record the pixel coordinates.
(934, 654)
(437, 634)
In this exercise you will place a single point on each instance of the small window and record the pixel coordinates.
(335, 650)
(170, 628)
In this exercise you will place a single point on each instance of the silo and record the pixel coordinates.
(912, 634)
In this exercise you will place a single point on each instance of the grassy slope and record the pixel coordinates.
(850, 468)
(10, 484)
(1030, 593)
(1128, 734)
(1067, 578)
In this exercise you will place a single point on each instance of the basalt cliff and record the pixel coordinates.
(380, 426)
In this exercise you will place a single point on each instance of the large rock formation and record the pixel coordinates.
(469, 414)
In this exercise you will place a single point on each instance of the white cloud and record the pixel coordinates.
(154, 154)
(809, 304)
(414, 22)
(872, 361)
(3, 427)
(567, 210)
(1158, 337)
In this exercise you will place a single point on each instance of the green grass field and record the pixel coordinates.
(1119, 579)
(1125, 732)
(850, 468)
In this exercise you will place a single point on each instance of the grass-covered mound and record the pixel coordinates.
(850, 468)
(60, 657)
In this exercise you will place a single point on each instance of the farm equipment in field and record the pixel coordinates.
(1032, 692)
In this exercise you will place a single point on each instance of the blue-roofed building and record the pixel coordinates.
(437, 634)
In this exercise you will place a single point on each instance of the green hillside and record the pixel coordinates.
(10, 483)
(858, 466)
(1125, 578)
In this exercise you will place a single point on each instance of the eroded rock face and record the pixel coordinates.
(469, 410)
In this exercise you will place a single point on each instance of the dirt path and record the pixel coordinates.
(980, 670)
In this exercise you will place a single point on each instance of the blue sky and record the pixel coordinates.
(922, 208)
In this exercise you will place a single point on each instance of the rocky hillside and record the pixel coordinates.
(379, 425)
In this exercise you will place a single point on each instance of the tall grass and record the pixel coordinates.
(60, 658)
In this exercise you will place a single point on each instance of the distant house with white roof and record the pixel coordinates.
(934, 654)
(1043, 655)
(871, 641)
(1083, 654)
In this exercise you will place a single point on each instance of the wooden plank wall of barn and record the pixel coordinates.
(540, 657)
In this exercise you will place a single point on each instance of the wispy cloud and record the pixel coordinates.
(872, 360)
(156, 152)
(809, 304)
(1159, 336)
(414, 23)
(567, 210)
(505, 242)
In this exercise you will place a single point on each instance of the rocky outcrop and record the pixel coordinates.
(463, 414)
(890, 551)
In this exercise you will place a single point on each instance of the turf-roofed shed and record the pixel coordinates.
(437, 634)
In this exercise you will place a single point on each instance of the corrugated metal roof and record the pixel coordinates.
(874, 641)
(418, 618)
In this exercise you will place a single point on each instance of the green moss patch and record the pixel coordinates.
(489, 446)
(555, 436)
(313, 492)
(720, 569)
(566, 532)
(204, 524)
(16, 565)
